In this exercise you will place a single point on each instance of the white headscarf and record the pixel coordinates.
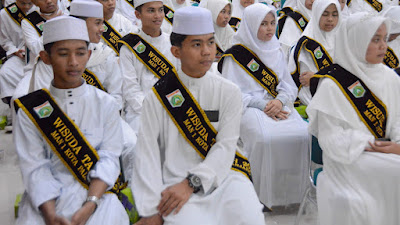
(289, 3)
(223, 35)
(301, 8)
(237, 8)
(174, 5)
(269, 52)
(352, 41)
(326, 39)
(393, 13)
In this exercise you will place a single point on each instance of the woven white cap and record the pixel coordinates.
(192, 20)
(86, 8)
(64, 28)
(138, 3)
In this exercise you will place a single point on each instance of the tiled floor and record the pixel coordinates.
(11, 185)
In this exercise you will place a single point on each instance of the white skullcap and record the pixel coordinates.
(192, 20)
(64, 28)
(138, 3)
(86, 8)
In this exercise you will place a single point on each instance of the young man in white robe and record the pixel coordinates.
(12, 41)
(174, 183)
(138, 76)
(53, 194)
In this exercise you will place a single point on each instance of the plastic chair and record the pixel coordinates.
(316, 157)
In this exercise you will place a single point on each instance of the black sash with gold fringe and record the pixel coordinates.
(391, 59)
(220, 53)
(169, 14)
(249, 61)
(370, 109)
(15, 13)
(191, 120)
(235, 23)
(111, 36)
(299, 19)
(375, 4)
(155, 61)
(92, 79)
(285, 11)
(36, 21)
(63, 136)
(131, 3)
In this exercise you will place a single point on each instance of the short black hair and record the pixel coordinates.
(47, 47)
(177, 39)
(80, 17)
(139, 8)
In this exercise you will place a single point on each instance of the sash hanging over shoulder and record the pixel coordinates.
(375, 4)
(111, 36)
(169, 14)
(391, 59)
(15, 13)
(250, 62)
(36, 21)
(92, 79)
(220, 53)
(370, 109)
(191, 120)
(235, 23)
(62, 135)
(300, 20)
(131, 3)
(156, 62)
(285, 11)
(321, 57)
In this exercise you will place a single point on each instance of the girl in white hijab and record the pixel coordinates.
(315, 49)
(360, 182)
(237, 11)
(377, 6)
(290, 32)
(274, 136)
(170, 6)
(221, 13)
(393, 54)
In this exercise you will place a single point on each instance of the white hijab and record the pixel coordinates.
(223, 35)
(237, 8)
(269, 52)
(174, 6)
(352, 41)
(301, 8)
(326, 39)
(393, 13)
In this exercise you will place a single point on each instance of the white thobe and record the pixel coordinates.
(363, 6)
(277, 150)
(164, 158)
(46, 177)
(11, 40)
(138, 80)
(122, 25)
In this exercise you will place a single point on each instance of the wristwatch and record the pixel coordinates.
(194, 182)
(93, 199)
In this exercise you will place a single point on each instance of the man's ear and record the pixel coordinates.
(45, 57)
(138, 14)
(176, 51)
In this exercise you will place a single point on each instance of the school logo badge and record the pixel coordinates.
(253, 65)
(302, 22)
(237, 25)
(40, 25)
(140, 47)
(105, 28)
(357, 89)
(175, 98)
(44, 110)
(318, 53)
(13, 9)
(170, 14)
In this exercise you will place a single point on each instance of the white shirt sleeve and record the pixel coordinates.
(33, 41)
(5, 35)
(113, 82)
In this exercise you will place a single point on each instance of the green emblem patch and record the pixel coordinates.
(105, 28)
(253, 65)
(170, 14)
(13, 9)
(44, 110)
(318, 53)
(302, 22)
(357, 89)
(140, 47)
(175, 98)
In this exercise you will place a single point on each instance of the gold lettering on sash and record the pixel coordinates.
(375, 115)
(245, 166)
(158, 63)
(195, 127)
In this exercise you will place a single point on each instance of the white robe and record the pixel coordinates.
(395, 46)
(138, 80)
(11, 40)
(126, 9)
(46, 177)
(164, 158)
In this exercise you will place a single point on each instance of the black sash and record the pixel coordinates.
(15, 13)
(391, 59)
(92, 79)
(111, 36)
(169, 14)
(397, 70)
(235, 23)
(321, 57)
(348, 2)
(300, 20)
(156, 62)
(285, 11)
(63, 135)
(36, 21)
(220, 53)
(375, 4)
(371, 110)
(253, 66)
(191, 120)
(131, 3)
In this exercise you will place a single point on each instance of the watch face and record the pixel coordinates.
(196, 181)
